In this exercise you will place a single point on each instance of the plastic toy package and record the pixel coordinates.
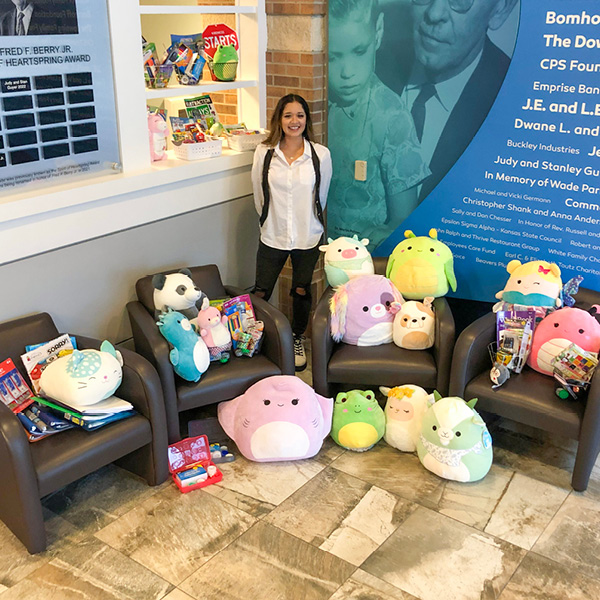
(187, 55)
(573, 370)
(246, 331)
(191, 465)
(514, 333)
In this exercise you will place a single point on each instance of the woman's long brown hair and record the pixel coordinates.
(276, 132)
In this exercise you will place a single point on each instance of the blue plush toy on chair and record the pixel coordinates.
(189, 356)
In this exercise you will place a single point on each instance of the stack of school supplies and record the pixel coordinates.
(39, 422)
(90, 417)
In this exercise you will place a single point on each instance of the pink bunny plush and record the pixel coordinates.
(278, 418)
(157, 131)
(215, 333)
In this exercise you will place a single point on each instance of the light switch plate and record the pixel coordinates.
(360, 170)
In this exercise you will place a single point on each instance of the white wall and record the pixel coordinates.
(85, 287)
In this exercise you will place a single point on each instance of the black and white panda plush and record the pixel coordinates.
(178, 292)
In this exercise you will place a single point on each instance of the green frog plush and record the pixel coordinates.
(358, 420)
(225, 62)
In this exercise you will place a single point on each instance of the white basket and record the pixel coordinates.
(199, 150)
(243, 142)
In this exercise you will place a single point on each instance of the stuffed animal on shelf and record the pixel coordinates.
(346, 258)
(157, 132)
(215, 332)
(414, 324)
(360, 311)
(404, 411)
(535, 283)
(358, 421)
(189, 356)
(277, 418)
(84, 377)
(178, 292)
(422, 266)
(455, 442)
(558, 330)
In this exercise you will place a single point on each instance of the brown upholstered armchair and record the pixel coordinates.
(30, 471)
(338, 366)
(529, 397)
(221, 381)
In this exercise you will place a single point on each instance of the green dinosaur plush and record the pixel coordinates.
(421, 266)
(358, 420)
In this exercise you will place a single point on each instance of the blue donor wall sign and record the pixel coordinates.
(507, 128)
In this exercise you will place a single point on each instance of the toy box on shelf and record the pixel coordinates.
(243, 140)
(190, 464)
(199, 150)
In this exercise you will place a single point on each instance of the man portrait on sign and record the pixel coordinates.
(447, 70)
(38, 17)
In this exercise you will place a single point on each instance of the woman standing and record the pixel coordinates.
(290, 177)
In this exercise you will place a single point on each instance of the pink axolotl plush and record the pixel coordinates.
(560, 329)
(361, 311)
(278, 418)
(214, 331)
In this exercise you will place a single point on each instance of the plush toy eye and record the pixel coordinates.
(295, 401)
(356, 248)
(368, 397)
(434, 428)
(518, 281)
(458, 434)
(344, 399)
(555, 324)
(180, 289)
(339, 249)
(423, 318)
(365, 308)
(405, 319)
(409, 248)
(581, 331)
(196, 289)
(267, 402)
(431, 249)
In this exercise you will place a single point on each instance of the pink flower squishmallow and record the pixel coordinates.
(278, 418)
(560, 329)
(361, 311)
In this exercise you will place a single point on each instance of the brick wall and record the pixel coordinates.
(296, 62)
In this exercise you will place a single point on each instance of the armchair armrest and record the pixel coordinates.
(20, 491)
(471, 355)
(150, 344)
(278, 343)
(322, 343)
(443, 343)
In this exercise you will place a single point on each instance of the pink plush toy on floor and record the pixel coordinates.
(278, 418)
(157, 131)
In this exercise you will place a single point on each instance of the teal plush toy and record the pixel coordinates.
(455, 442)
(189, 356)
(358, 420)
(345, 258)
(421, 266)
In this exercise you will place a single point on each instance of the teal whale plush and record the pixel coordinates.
(189, 356)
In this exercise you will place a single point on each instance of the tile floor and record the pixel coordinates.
(342, 526)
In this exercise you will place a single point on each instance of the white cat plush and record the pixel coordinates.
(84, 377)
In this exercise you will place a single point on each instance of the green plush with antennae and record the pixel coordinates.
(421, 266)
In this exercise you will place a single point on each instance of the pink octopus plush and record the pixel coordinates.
(361, 311)
(560, 329)
(278, 418)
